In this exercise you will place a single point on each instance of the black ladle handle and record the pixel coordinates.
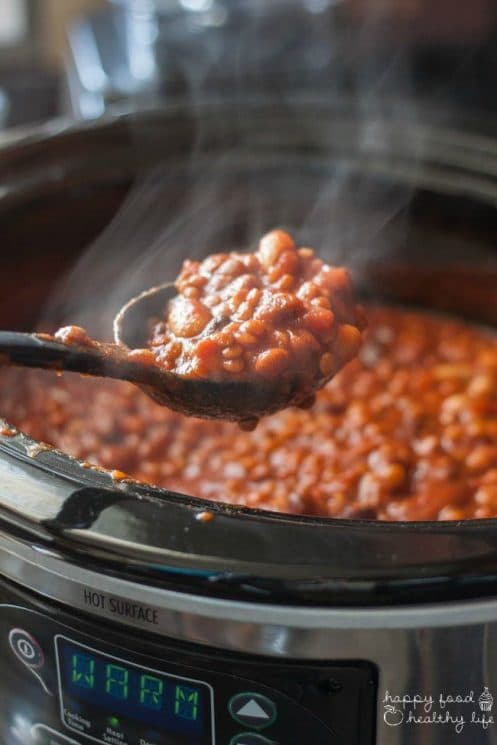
(31, 350)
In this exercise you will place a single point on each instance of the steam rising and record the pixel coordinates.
(326, 178)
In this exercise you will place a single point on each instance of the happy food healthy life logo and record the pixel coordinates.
(453, 710)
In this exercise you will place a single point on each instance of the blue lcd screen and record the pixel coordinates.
(120, 688)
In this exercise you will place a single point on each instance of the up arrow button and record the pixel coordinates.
(253, 710)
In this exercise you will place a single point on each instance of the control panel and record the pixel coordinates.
(105, 696)
(68, 681)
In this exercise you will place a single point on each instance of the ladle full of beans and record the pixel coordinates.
(237, 336)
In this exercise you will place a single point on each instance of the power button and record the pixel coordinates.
(26, 648)
(30, 653)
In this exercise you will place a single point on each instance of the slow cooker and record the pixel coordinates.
(123, 618)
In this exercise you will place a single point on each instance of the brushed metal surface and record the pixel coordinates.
(448, 649)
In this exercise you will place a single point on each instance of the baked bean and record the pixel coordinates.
(207, 357)
(272, 363)
(235, 365)
(348, 341)
(230, 353)
(192, 292)
(326, 364)
(451, 513)
(167, 354)
(482, 385)
(272, 246)
(486, 496)
(482, 458)
(286, 283)
(187, 317)
(320, 322)
(74, 335)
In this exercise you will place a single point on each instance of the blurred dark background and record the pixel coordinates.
(77, 58)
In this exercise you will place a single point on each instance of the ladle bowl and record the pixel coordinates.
(240, 400)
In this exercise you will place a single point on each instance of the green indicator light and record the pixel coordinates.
(114, 722)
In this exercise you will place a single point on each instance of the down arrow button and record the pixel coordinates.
(253, 710)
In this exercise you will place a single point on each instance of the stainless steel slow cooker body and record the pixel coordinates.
(415, 600)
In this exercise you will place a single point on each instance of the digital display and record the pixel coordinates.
(121, 691)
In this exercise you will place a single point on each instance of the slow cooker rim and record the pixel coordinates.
(27, 446)
(455, 576)
(468, 151)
